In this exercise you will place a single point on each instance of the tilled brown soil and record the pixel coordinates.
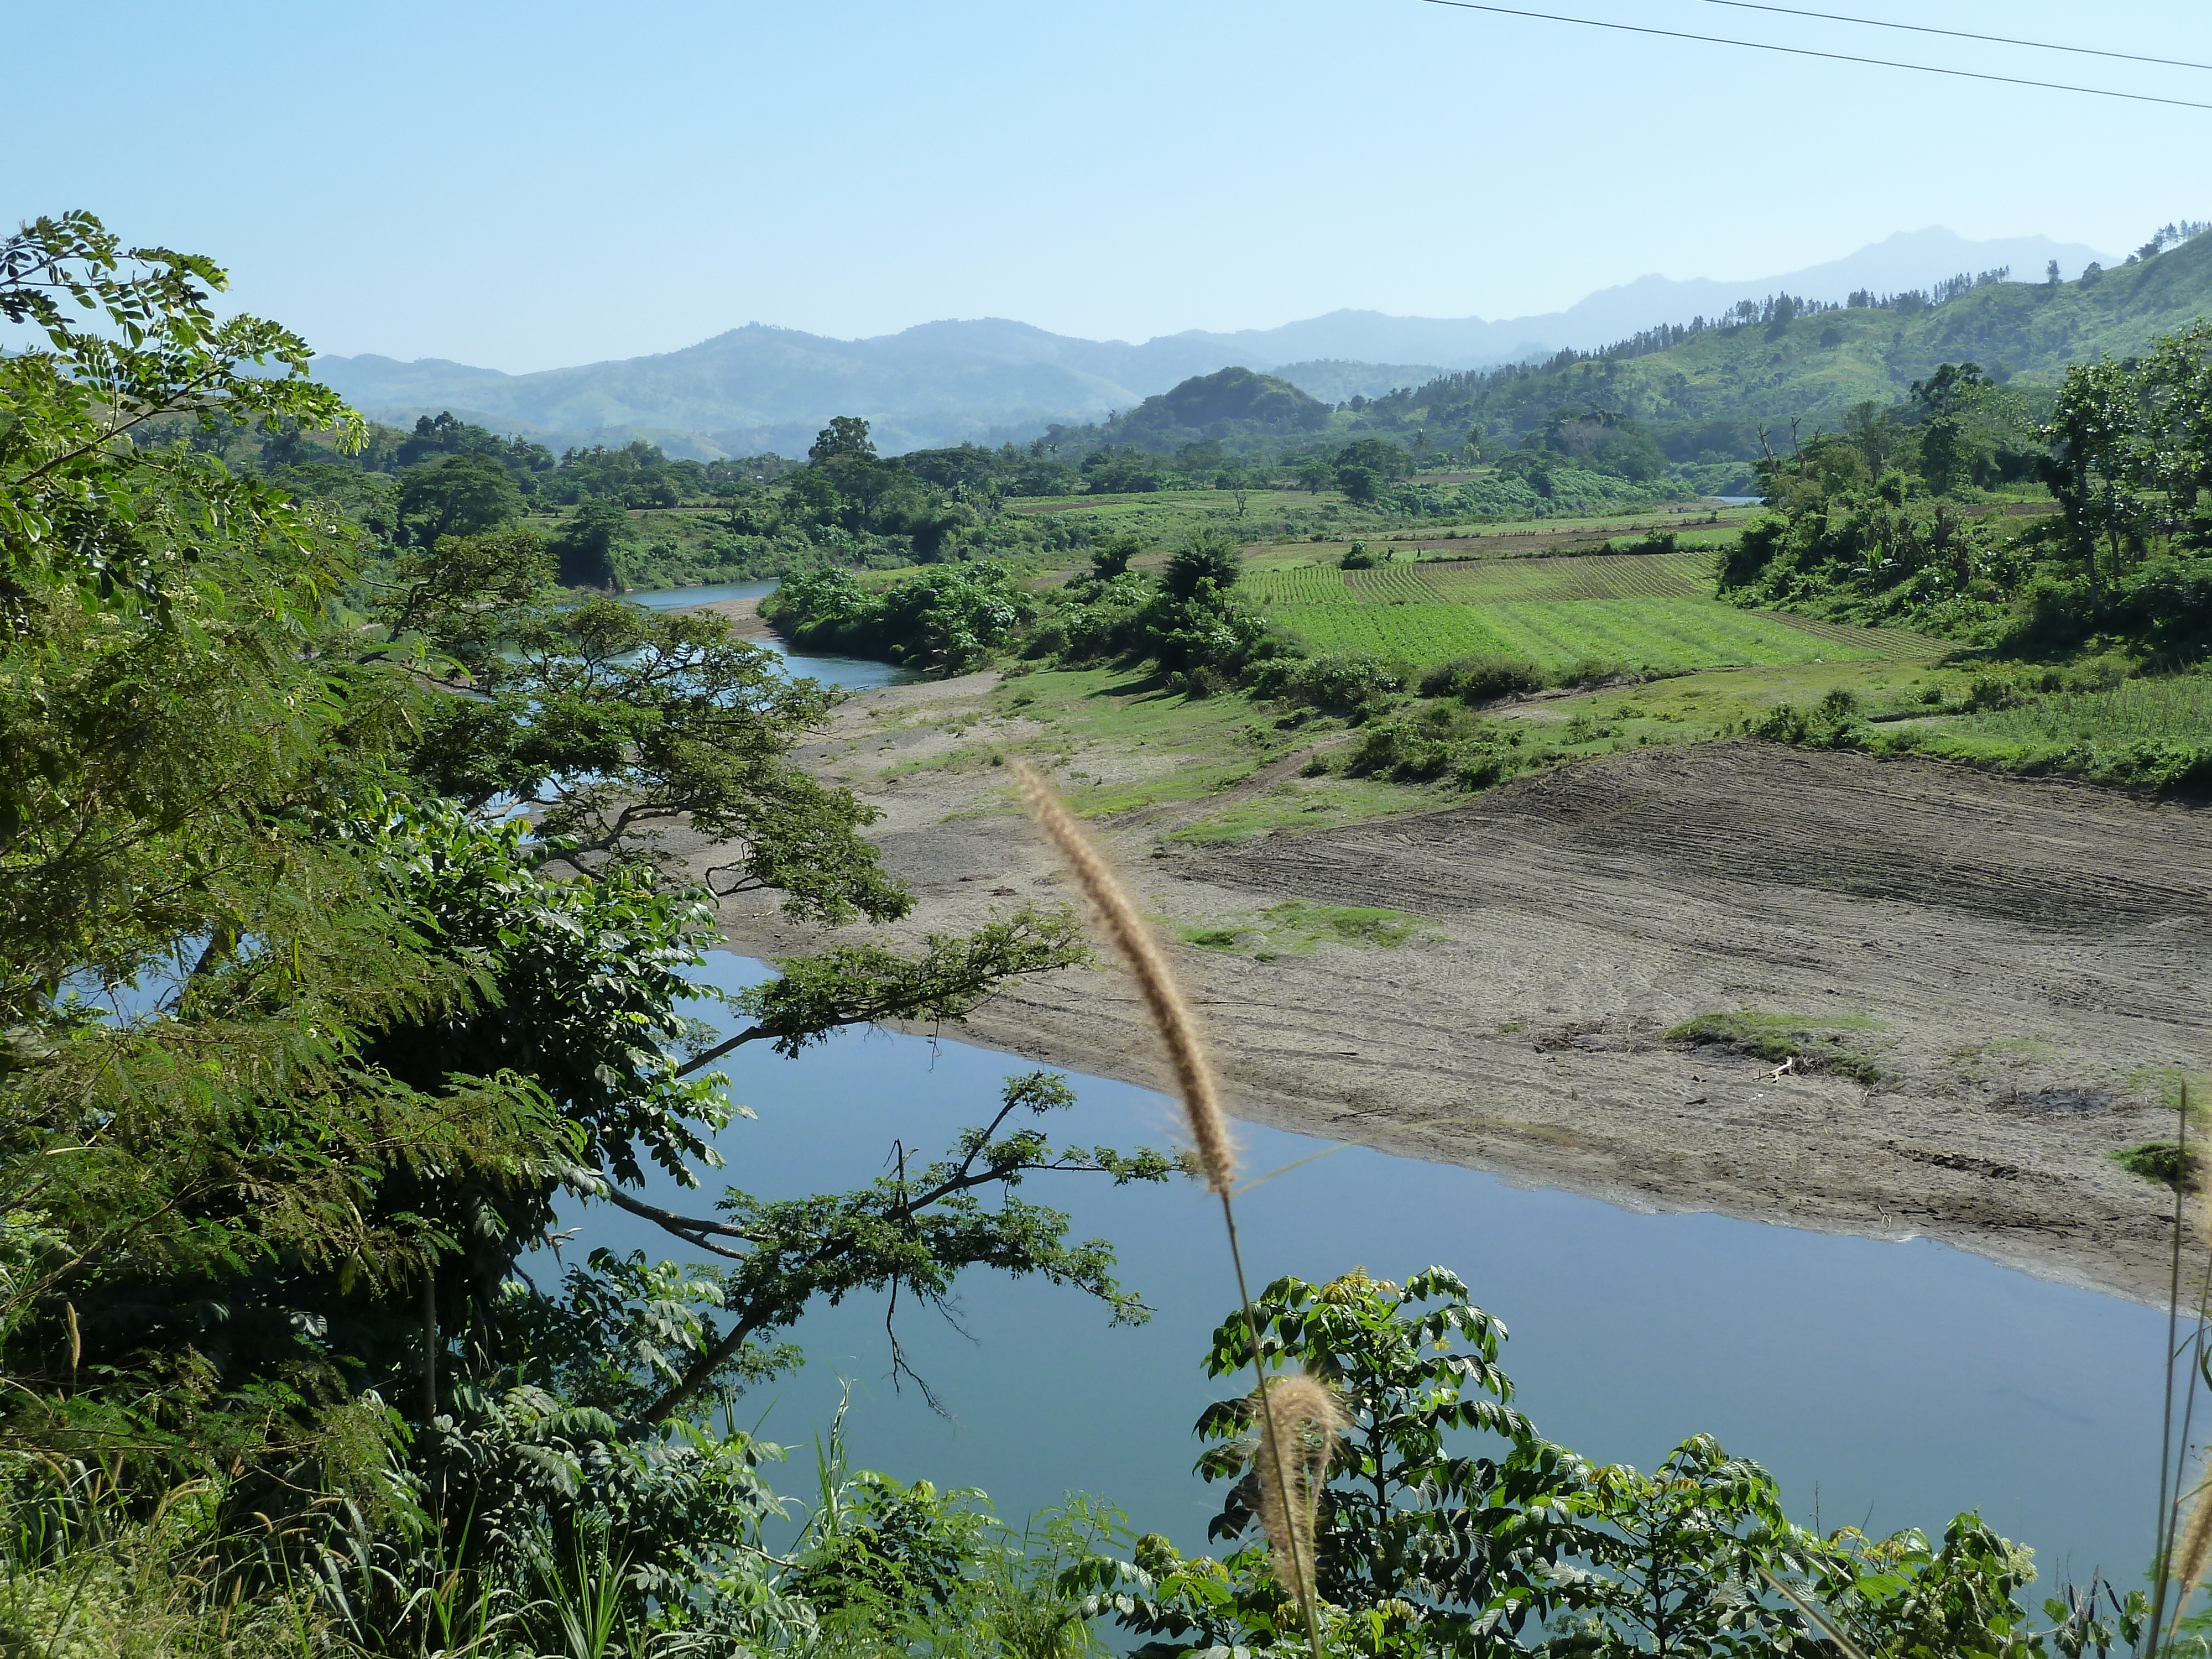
(2018, 958)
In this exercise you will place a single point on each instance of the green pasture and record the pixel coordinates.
(1646, 612)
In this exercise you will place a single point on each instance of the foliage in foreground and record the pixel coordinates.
(346, 941)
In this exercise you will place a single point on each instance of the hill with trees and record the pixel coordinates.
(1705, 389)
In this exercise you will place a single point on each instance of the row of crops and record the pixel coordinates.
(1598, 577)
(1651, 612)
(1487, 581)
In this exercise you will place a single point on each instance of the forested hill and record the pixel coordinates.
(1704, 389)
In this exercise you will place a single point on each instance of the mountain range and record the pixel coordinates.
(761, 387)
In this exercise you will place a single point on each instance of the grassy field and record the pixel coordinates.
(1643, 611)
(1123, 744)
(2147, 734)
(2140, 711)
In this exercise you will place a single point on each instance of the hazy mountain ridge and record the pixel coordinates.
(762, 387)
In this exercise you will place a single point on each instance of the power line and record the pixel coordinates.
(1960, 34)
(1807, 51)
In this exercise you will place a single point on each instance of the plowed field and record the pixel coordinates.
(2026, 962)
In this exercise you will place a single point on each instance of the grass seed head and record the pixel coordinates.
(2192, 1555)
(1133, 937)
(1298, 1432)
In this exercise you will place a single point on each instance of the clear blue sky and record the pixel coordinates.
(526, 185)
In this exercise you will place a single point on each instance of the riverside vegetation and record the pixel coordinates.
(345, 936)
(2064, 635)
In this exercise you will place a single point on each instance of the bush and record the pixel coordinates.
(2051, 618)
(1991, 691)
(1357, 558)
(1201, 680)
(1205, 556)
(2168, 605)
(1482, 678)
(1832, 723)
(948, 619)
(1346, 682)
(2164, 1162)
(1477, 752)
(1591, 671)
(1110, 558)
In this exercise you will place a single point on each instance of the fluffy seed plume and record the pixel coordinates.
(1297, 1433)
(1178, 1029)
(2193, 1553)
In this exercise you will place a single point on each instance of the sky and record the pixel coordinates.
(524, 186)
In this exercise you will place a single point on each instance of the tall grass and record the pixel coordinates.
(2174, 709)
(90, 1569)
(1132, 937)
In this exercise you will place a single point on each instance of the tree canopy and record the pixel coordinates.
(345, 938)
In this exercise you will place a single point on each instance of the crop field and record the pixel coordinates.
(1602, 576)
(1889, 644)
(1649, 611)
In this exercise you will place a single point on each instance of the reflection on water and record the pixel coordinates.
(853, 673)
(1885, 1384)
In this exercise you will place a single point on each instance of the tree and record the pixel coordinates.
(1111, 556)
(210, 1157)
(847, 438)
(1425, 1545)
(589, 548)
(118, 776)
(1681, 1561)
(747, 508)
(459, 497)
(1205, 556)
(2096, 443)
(2176, 385)
(1404, 1520)
(1378, 455)
(1898, 1599)
(268, 1239)
(864, 483)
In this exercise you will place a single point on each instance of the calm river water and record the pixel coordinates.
(854, 673)
(1885, 1384)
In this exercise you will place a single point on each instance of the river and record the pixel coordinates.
(853, 673)
(1885, 1383)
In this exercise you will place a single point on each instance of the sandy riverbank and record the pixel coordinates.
(743, 615)
(2022, 958)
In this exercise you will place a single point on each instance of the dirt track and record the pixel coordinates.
(2026, 952)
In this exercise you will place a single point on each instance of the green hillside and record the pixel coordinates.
(1705, 396)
